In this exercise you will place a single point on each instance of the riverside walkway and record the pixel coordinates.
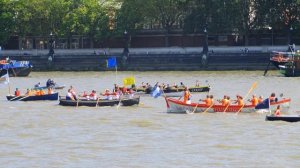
(149, 59)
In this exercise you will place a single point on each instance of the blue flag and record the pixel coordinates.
(156, 92)
(112, 62)
(263, 105)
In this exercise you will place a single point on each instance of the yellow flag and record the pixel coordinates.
(129, 81)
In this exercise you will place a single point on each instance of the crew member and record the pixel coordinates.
(254, 100)
(260, 99)
(277, 111)
(93, 95)
(224, 101)
(208, 100)
(273, 98)
(186, 96)
(239, 100)
(69, 95)
(17, 92)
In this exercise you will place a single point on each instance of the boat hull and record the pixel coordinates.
(287, 118)
(55, 87)
(101, 102)
(17, 72)
(53, 96)
(177, 106)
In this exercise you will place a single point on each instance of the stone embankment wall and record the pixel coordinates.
(154, 59)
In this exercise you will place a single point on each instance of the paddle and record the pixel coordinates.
(14, 98)
(23, 98)
(208, 107)
(77, 101)
(97, 101)
(250, 90)
(188, 111)
(119, 104)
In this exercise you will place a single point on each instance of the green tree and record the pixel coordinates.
(6, 21)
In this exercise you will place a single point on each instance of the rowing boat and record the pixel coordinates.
(53, 96)
(178, 106)
(125, 101)
(287, 118)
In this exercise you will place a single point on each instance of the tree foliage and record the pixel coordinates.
(99, 19)
(6, 20)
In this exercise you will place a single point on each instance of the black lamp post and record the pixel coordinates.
(205, 45)
(270, 28)
(205, 48)
(126, 50)
(290, 35)
(126, 40)
(51, 45)
(51, 51)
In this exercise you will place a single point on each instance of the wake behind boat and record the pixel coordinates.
(178, 106)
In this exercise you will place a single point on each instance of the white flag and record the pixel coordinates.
(4, 79)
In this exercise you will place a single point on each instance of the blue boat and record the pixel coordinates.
(15, 68)
(53, 96)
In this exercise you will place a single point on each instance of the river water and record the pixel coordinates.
(44, 134)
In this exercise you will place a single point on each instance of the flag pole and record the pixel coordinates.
(116, 74)
(7, 80)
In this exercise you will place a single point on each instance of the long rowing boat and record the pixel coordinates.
(53, 96)
(124, 101)
(178, 106)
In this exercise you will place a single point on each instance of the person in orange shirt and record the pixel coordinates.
(277, 111)
(224, 101)
(17, 92)
(239, 100)
(208, 100)
(186, 95)
(254, 100)
(260, 99)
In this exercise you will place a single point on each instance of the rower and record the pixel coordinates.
(224, 101)
(277, 111)
(107, 94)
(260, 99)
(207, 101)
(239, 100)
(69, 95)
(93, 95)
(254, 100)
(273, 98)
(17, 92)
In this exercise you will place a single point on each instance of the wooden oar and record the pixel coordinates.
(226, 107)
(208, 107)
(119, 104)
(77, 101)
(97, 101)
(196, 106)
(14, 98)
(250, 90)
(23, 98)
